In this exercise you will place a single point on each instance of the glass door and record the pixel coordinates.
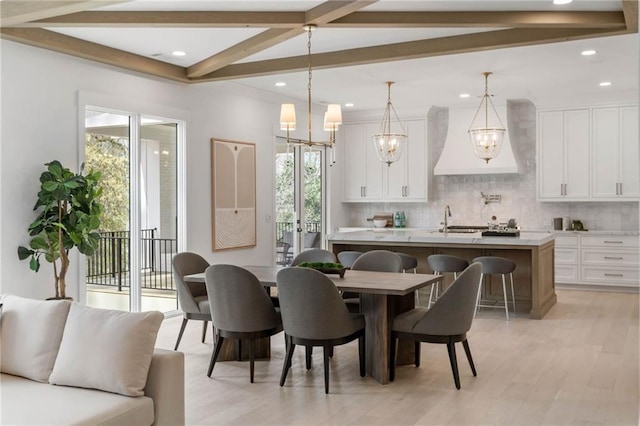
(299, 199)
(137, 156)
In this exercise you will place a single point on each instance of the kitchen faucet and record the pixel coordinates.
(447, 213)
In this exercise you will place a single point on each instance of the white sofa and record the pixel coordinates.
(68, 364)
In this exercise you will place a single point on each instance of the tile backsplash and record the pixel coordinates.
(518, 191)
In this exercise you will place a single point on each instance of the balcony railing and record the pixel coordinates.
(109, 265)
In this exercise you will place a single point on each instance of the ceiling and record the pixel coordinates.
(433, 50)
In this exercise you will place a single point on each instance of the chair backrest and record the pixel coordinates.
(379, 261)
(314, 255)
(187, 263)
(452, 313)
(311, 305)
(446, 263)
(495, 265)
(346, 258)
(408, 261)
(311, 240)
(238, 301)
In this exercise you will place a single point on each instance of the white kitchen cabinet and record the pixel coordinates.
(567, 267)
(616, 156)
(563, 155)
(367, 179)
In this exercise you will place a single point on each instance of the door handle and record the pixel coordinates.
(612, 258)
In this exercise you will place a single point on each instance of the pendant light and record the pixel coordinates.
(488, 135)
(332, 118)
(389, 144)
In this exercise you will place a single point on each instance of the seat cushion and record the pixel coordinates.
(203, 304)
(406, 321)
(25, 402)
(106, 349)
(31, 331)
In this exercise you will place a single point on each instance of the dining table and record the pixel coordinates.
(383, 296)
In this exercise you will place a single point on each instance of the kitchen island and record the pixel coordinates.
(533, 253)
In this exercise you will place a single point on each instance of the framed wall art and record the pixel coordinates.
(233, 194)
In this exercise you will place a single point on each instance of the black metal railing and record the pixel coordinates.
(282, 227)
(109, 265)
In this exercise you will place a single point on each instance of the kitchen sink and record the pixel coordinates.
(465, 229)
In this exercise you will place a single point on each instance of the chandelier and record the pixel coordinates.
(332, 117)
(487, 139)
(389, 144)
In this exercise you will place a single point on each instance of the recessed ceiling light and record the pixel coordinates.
(348, 104)
(588, 52)
(464, 95)
(178, 53)
(605, 83)
(280, 83)
(559, 2)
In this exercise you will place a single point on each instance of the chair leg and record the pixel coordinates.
(478, 298)
(326, 369)
(513, 294)
(287, 362)
(204, 329)
(416, 351)
(504, 292)
(182, 327)
(252, 348)
(361, 353)
(214, 355)
(392, 357)
(465, 344)
(286, 347)
(308, 351)
(454, 362)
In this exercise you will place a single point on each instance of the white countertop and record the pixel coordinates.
(408, 235)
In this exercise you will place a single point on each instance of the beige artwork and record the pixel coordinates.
(233, 194)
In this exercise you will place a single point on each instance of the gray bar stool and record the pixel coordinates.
(410, 263)
(498, 266)
(346, 258)
(441, 263)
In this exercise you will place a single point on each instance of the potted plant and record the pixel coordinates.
(69, 216)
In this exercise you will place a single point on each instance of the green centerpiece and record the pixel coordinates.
(325, 267)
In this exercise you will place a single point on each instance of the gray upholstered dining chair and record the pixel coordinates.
(379, 261)
(240, 309)
(441, 263)
(446, 322)
(346, 258)
(314, 255)
(192, 296)
(314, 314)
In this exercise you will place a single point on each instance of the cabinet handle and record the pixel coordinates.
(365, 191)
(620, 184)
(612, 242)
(613, 275)
(613, 258)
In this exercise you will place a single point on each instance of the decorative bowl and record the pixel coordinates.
(379, 223)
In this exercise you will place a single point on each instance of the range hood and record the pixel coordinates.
(457, 157)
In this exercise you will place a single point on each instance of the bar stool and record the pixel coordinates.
(346, 258)
(498, 266)
(441, 263)
(410, 263)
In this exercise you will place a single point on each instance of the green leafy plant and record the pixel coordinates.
(69, 216)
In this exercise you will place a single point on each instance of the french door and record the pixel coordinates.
(138, 158)
(300, 199)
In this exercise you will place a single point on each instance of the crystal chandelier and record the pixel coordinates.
(332, 117)
(389, 144)
(485, 138)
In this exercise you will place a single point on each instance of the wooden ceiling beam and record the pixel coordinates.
(93, 51)
(320, 14)
(409, 50)
(14, 12)
(630, 10)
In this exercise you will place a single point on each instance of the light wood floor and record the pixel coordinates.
(577, 366)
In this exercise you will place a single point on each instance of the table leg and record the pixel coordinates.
(379, 311)
(229, 353)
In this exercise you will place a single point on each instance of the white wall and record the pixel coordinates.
(40, 124)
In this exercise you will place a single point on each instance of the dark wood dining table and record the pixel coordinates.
(383, 296)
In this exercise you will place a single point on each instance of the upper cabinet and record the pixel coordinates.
(615, 162)
(588, 154)
(563, 155)
(367, 179)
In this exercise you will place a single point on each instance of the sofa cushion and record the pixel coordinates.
(30, 332)
(25, 402)
(106, 349)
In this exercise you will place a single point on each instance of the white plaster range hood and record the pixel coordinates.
(457, 157)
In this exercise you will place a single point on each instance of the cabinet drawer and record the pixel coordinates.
(566, 274)
(609, 241)
(566, 255)
(613, 276)
(566, 241)
(610, 257)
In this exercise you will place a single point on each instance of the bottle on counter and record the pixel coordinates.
(397, 222)
(403, 220)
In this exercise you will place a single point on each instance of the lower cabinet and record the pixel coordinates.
(598, 260)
